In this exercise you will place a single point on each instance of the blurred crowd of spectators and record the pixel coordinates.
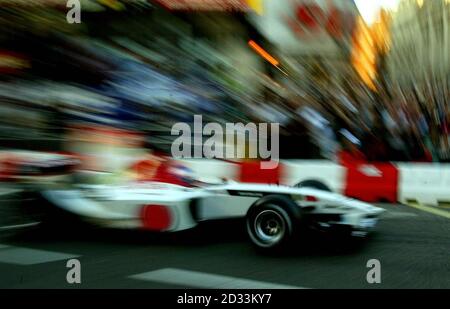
(403, 126)
(120, 82)
(333, 122)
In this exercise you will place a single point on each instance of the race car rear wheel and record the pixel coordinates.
(271, 222)
(314, 184)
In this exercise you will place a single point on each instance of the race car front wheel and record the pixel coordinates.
(271, 223)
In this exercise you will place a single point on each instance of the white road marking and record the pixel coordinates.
(397, 215)
(18, 226)
(429, 209)
(26, 256)
(206, 281)
(8, 191)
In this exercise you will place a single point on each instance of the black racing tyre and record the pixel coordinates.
(272, 222)
(315, 184)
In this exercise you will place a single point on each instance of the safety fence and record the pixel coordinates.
(427, 183)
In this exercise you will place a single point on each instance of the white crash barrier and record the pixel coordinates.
(106, 158)
(426, 183)
(103, 148)
(212, 169)
(329, 173)
(292, 171)
(28, 155)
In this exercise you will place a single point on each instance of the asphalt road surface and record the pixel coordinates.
(412, 246)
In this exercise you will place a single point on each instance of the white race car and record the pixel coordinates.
(274, 214)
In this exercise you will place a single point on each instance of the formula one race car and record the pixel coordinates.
(274, 214)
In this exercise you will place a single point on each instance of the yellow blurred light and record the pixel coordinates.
(380, 31)
(113, 4)
(364, 53)
(420, 3)
(256, 5)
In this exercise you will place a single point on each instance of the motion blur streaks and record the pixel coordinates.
(377, 91)
(87, 108)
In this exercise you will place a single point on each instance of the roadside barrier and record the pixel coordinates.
(426, 183)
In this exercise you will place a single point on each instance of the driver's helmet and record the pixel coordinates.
(183, 173)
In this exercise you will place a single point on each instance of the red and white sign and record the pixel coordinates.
(368, 182)
(306, 26)
(309, 20)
